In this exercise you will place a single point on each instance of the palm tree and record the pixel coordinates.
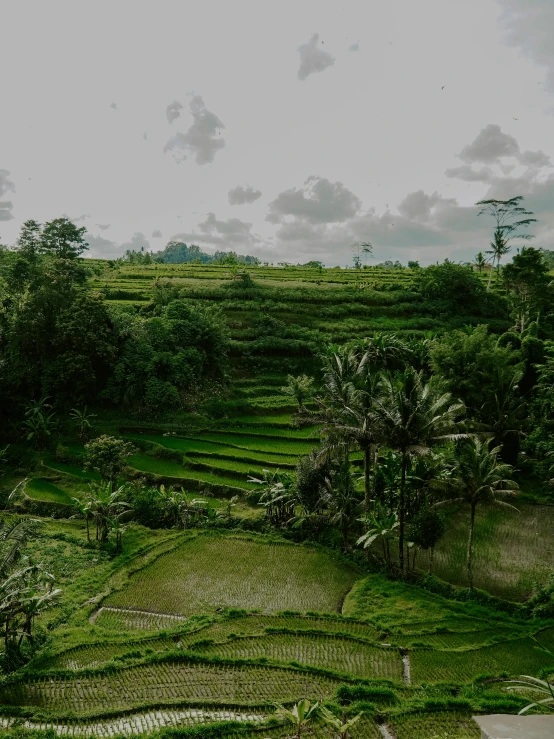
(480, 261)
(478, 477)
(346, 410)
(528, 684)
(84, 509)
(14, 534)
(342, 500)
(411, 416)
(277, 496)
(506, 415)
(106, 506)
(300, 388)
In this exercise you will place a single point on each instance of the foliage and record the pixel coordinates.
(107, 455)
(299, 388)
(534, 686)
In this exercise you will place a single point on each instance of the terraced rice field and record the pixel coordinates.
(519, 657)
(332, 653)
(250, 574)
(435, 725)
(127, 620)
(167, 683)
(46, 492)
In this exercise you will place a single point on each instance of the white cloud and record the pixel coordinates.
(6, 208)
(173, 111)
(201, 139)
(312, 58)
(6, 185)
(240, 195)
(229, 234)
(530, 26)
(318, 201)
(156, 234)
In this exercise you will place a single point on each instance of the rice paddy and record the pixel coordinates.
(251, 574)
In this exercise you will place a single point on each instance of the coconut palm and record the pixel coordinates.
(529, 684)
(300, 388)
(411, 416)
(340, 497)
(479, 476)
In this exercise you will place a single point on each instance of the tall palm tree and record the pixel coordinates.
(505, 414)
(411, 416)
(479, 476)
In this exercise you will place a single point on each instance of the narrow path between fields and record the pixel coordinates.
(386, 731)
(406, 666)
(115, 609)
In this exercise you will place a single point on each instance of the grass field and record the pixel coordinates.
(46, 492)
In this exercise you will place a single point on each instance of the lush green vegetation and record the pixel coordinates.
(229, 486)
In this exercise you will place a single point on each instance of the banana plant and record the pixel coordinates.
(341, 726)
(300, 715)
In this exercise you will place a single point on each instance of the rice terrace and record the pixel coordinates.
(283, 469)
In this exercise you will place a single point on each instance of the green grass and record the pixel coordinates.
(252, 574)
(168, 468)
(46, 492)
(435, 726)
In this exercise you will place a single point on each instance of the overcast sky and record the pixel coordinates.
(286, 129)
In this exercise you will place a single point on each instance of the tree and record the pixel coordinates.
(61, 238)
(300, 388)
(107, 507)
(277, 496)
(380, 524)
(528, 283)
(479, 476)
(480, 261)
(469, 361)
(425, 530)
(361, 250)
(507, 215)
(413, 265)
(340, 497)
(106, 455)
(411, 416)
(82, 419)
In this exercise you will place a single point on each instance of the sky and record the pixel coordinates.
(283, 129)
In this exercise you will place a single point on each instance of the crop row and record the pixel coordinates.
(208, 572)
(118, 619)
(516, 657)
(98, 654)
(332, 653)
(164, 684)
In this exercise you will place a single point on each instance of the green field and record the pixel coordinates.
(250, 574)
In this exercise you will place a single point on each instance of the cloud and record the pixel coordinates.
(100, 248)
(229, 234)
(6, 208)
(313, 59)
(114, 106)
(6, 185)
(201, 138)
(103, 226)
(491, 145)
(173, 111)
(318, 201)
(78, 219)
(530, 26)
(137, 241)
(466, 173)
(354, 47)
(145, 136)
(240, 195)
(417, 206)
(156, 234)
